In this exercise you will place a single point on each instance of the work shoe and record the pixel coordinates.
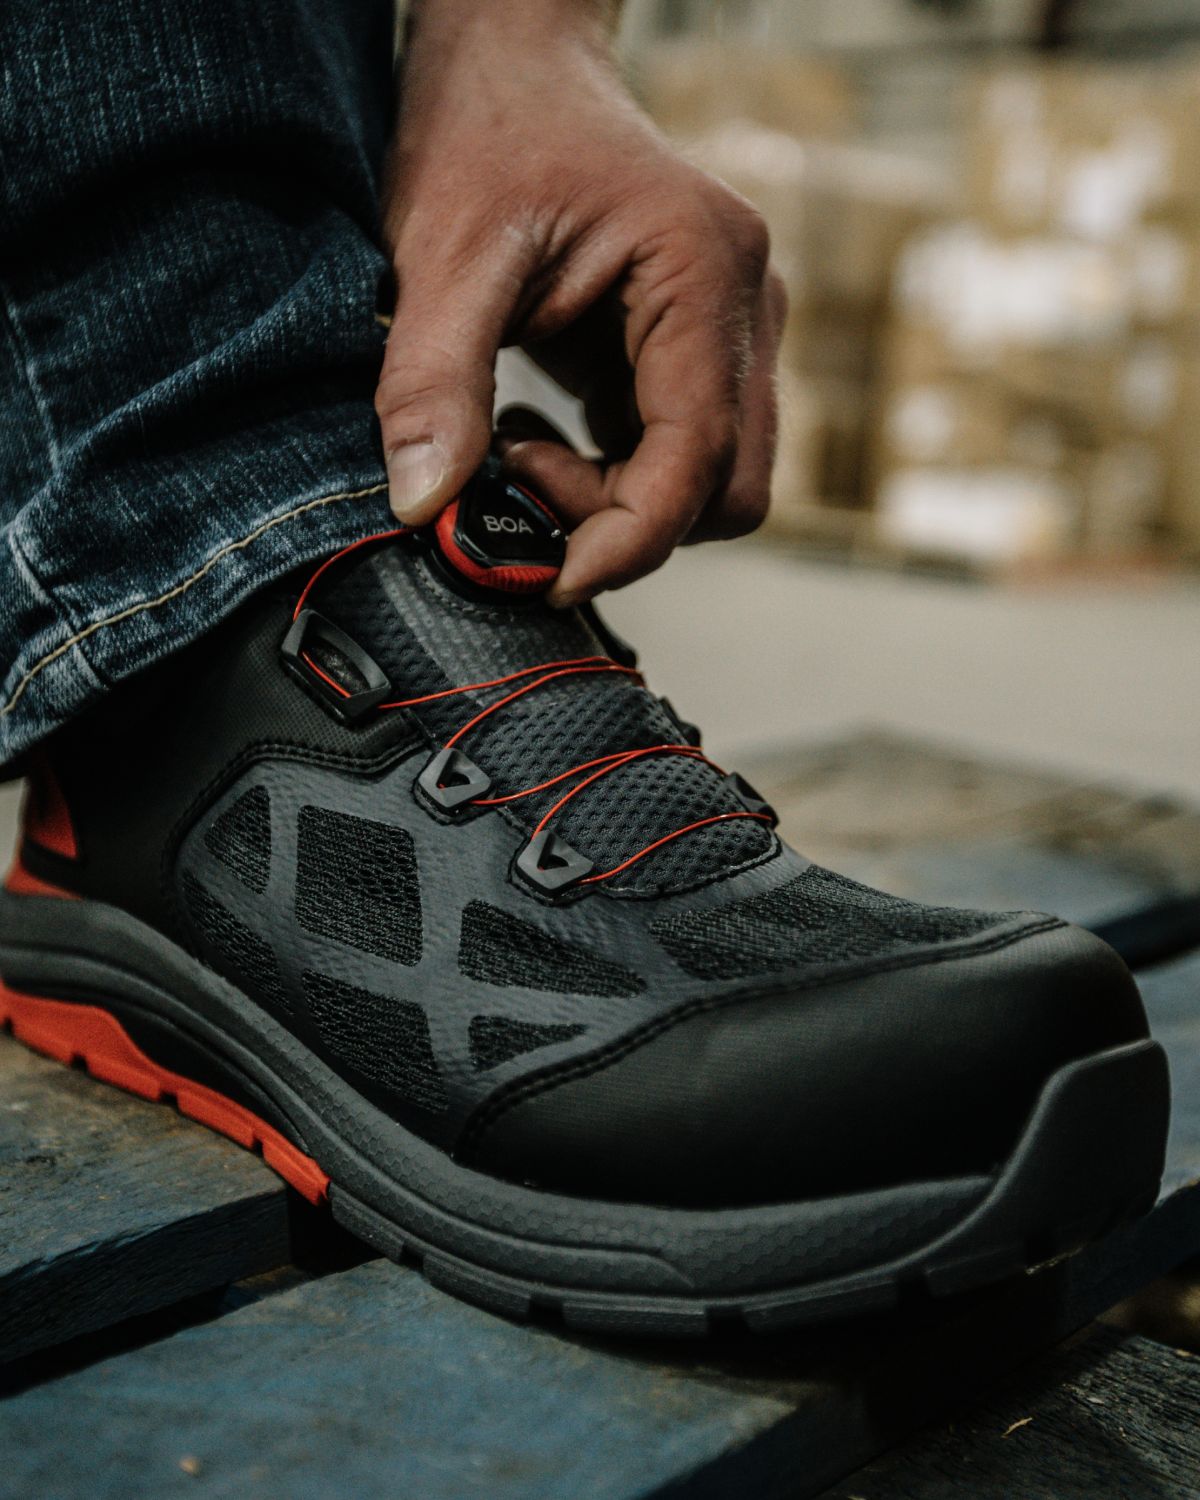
(408, 880)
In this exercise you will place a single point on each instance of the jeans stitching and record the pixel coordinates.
(179, 588)
(40, 592)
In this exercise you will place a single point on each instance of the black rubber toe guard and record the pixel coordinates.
(912, 1074)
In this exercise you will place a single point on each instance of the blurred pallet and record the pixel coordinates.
(935, 826)
(369, 1382)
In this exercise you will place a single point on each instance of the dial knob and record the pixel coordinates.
(499, 537)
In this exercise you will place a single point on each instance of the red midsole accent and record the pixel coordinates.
(65, 1032)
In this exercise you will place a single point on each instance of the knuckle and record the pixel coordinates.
(656, 537)
(751, 237)
(424, 387)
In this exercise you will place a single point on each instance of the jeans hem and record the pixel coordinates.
(66, 667)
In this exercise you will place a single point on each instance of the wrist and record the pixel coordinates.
(525, 23)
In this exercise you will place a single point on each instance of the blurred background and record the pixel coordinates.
(986, 520)
(985, 531)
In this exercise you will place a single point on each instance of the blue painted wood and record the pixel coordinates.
(1172, 995)
(111, 1207)
(370, 1383)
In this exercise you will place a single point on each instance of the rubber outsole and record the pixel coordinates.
(1090, 1157)
(1038, 1191)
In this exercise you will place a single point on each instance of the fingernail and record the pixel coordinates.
(414, 473)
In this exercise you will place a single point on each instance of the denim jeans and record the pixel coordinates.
(190, 283)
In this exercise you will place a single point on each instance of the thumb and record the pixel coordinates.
(437, 387)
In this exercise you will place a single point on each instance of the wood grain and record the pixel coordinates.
(110, 1206)
(1107, 1416)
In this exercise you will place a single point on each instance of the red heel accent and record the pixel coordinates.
(21, 883)
(46, 818)
(91, 1035)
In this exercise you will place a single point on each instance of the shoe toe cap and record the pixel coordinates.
(922, 1071)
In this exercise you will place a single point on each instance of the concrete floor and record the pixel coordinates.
(765, 649)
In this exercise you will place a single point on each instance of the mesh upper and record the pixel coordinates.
(448, 983)
(357, 882)
(426, 643)
(817, 918)
(497, 1039)
(241, 838)
(383, 1038)
(500, 949)
(241, 950)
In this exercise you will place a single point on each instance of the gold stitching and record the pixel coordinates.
(180, 588)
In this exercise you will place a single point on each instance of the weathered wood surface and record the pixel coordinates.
(110, 1206)
(936, 826)
(1107, 1416)
(372, 1384)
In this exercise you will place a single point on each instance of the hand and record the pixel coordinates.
(528, 201)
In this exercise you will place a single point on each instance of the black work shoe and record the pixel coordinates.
(409, 880)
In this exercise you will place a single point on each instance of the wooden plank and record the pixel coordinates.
(371, 1383)
(1108, 1415)
(936, 826)
(1172, 994)
(111, 1207)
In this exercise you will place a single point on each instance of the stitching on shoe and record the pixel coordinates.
(180, 588)
(520, 1089)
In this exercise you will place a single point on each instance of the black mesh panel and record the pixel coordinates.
(564, 723)
(244, 956)
(241, 838)
(818, 918)
(499, 949)
(496, 1039)
(383, 1038)
(357, 883)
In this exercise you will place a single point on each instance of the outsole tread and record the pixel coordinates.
(88, 1036)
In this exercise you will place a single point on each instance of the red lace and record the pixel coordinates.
(601, 766)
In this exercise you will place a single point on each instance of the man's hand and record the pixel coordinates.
(528, 201)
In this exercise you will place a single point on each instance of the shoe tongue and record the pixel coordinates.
(427, 638)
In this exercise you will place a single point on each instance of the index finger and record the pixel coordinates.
(688, 342)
